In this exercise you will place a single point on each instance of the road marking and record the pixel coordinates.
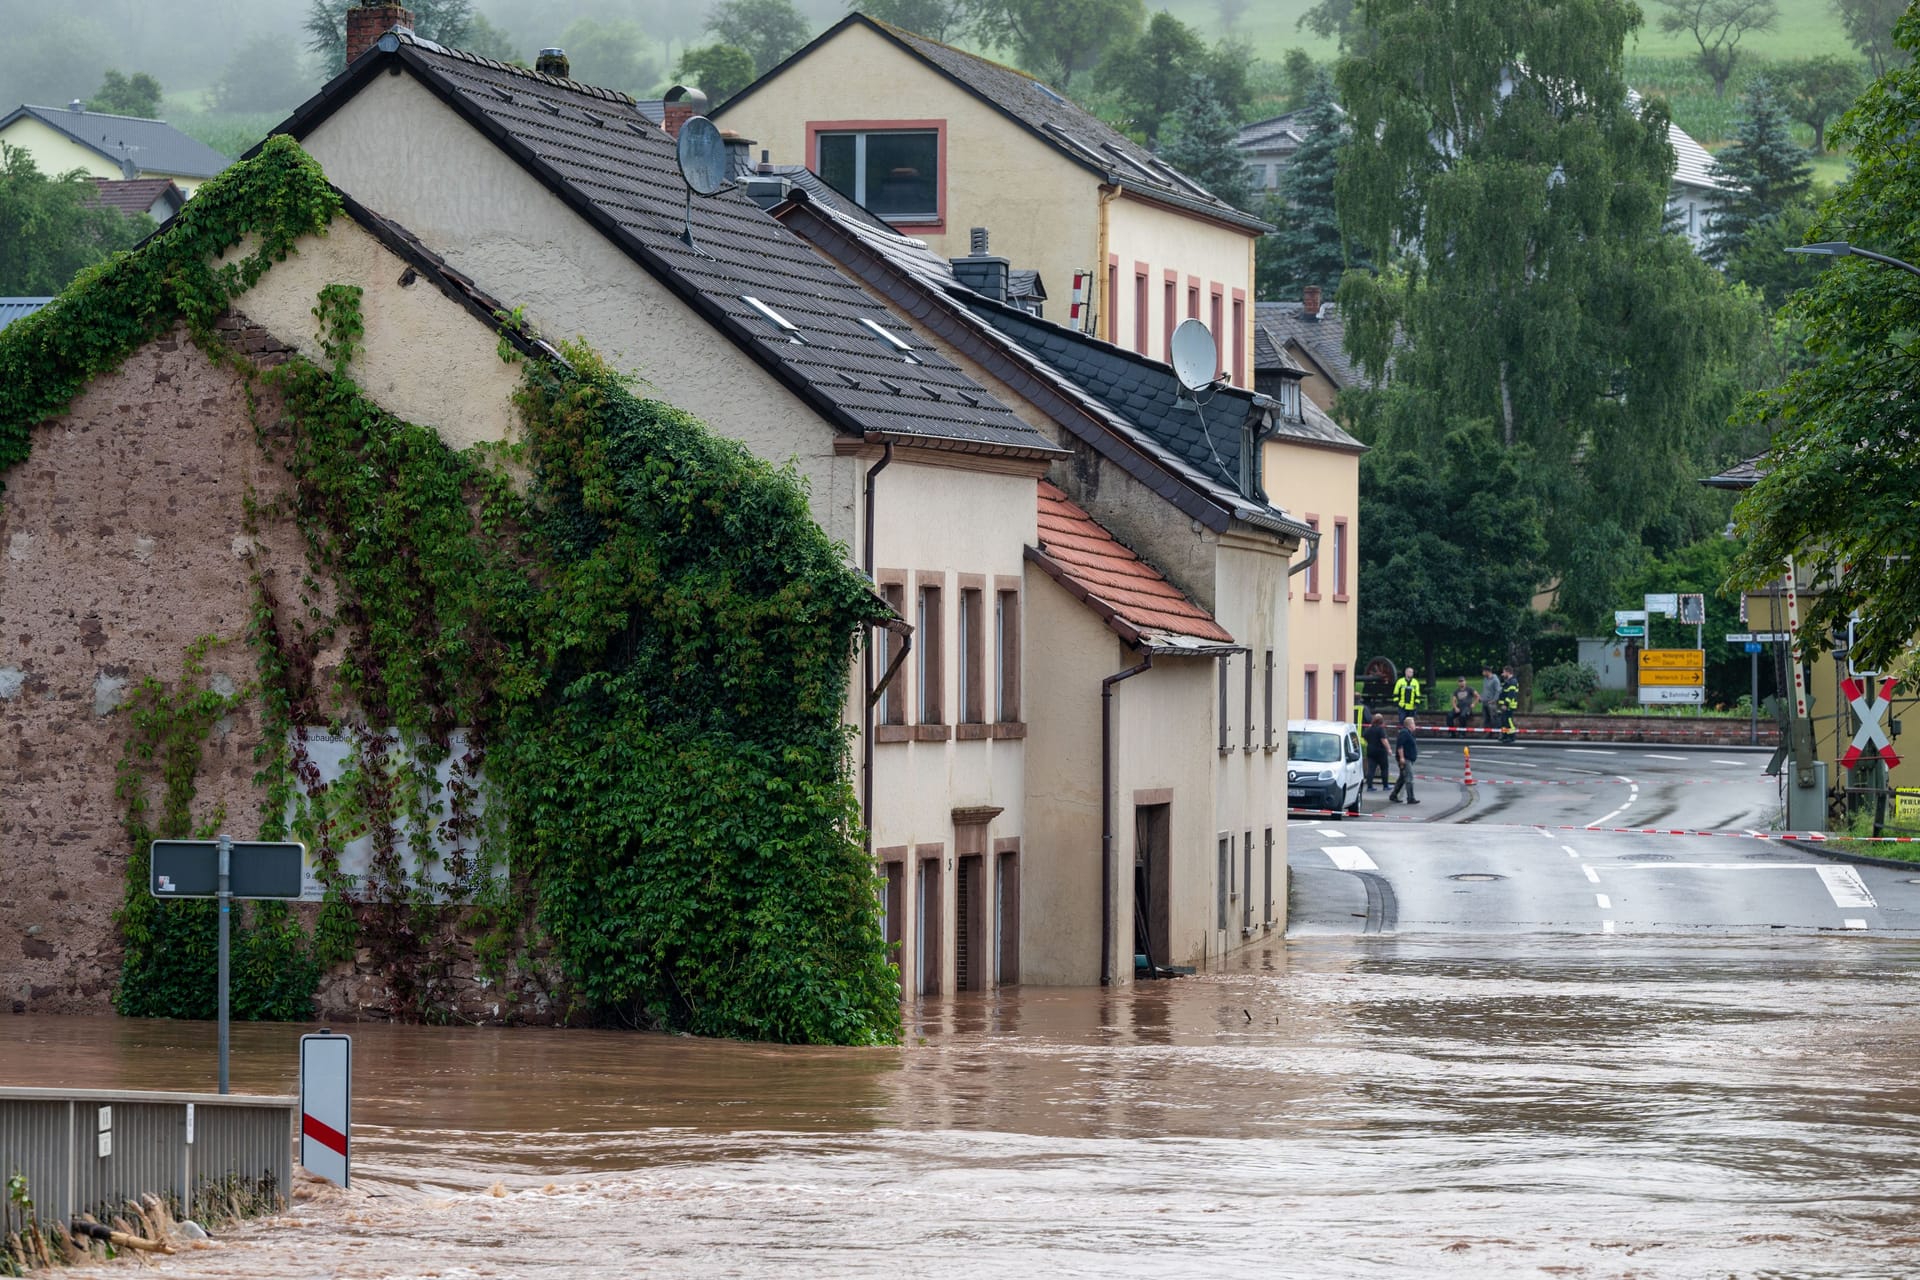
(1590, 751)
(1731, 762)
(1571, 851)
(1853, 924)
(1591, 873)
(1845, 887)
(1494, 746)
(1606, 926)
(1521, 764)
(1595, 772)
(1651, 756)
(1606, 903)
(1719, 866)
(1350, 857)
(1633, 793)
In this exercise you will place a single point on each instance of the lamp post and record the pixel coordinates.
(1841, 249)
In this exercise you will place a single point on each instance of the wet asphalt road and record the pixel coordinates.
(1537, 845)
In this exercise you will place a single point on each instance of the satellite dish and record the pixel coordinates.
(703, 156)
(1196, 361)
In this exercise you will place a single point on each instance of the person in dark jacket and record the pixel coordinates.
(1406, 750)
(1377, 758)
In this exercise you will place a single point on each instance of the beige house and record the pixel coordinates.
(938, 141)
(62, 139)
(1188, 802)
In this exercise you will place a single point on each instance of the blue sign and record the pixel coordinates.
(1754, 646)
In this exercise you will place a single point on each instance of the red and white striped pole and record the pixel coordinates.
(1467, 753)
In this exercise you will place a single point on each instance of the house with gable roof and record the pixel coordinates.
(937, 141)
(1157, 713)
(61, 139)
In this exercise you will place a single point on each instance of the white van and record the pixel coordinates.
(1324, 769)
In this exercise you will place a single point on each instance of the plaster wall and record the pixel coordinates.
(932, 525)
(1218, 257)
(426, 359)
(54, 153)
(1321, 485)
(403, 153)
(1040, 208)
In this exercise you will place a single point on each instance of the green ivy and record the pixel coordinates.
(639, 627)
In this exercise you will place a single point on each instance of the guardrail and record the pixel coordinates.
(91, 1150)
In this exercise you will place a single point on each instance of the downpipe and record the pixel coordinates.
(866, 657)
(1106, 811)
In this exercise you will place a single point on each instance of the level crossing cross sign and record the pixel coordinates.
(1869, 709)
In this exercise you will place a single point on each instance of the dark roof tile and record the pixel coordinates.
(149, 145)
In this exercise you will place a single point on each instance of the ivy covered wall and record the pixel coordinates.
(626, 633)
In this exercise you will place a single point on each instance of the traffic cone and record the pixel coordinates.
(1468, 753)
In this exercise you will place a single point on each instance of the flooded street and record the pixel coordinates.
(1357, 1107)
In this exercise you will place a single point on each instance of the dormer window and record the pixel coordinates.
(893, 172)
(1290, 399)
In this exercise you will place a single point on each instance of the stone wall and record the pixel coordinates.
(123, 539)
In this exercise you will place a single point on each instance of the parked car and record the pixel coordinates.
(1324, 769)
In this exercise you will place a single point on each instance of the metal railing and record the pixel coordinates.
(88, 1150)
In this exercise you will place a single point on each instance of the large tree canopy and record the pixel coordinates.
(1057, 39)
(48, 231)
(1842, 485)
(1494, 155)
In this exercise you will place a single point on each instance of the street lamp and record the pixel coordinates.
(1841, 249)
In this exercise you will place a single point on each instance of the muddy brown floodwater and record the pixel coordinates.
(1375, 1107)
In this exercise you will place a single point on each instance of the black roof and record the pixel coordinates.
(1132, 398)
(150, 145)
(1741, 475)
(597, 153)
(1324, 338)
(1074, 132)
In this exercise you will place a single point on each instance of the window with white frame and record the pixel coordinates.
(893, 172)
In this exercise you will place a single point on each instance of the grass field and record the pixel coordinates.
(1656, 62)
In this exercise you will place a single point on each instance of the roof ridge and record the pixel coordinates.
(98, 115)
(525, 73)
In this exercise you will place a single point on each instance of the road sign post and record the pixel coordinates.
(326, 1106)
(225, 869)
(1672, 675)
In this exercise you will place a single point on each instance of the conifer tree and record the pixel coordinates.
(1307, 248)
(1202, 143)
(1765, 170)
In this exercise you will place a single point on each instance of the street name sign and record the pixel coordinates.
(1673, 675)
(259, 868)
(326, 1106)
(1664, 605)
(1631, 631)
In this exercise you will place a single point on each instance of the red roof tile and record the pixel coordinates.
(129, 195)
(1129, 593)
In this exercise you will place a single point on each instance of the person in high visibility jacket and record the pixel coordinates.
(1406, 693)
(1509, 702)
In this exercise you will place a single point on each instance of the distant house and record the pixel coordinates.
(12, 309)
(1269, 146)
(937, 141)
(61, 139)
(156, 198)
(1310, 337)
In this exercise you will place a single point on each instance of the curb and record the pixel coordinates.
(1442, 737)
(1841, 855)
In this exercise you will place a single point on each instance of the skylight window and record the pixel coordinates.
(889, 337)
(779, 321)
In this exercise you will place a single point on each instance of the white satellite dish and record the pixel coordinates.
(1196, 361)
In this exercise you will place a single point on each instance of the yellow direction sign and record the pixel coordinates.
(1673, 668)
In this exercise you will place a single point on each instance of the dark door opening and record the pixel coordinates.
(927, 929)
(1006, 883)
(970, 936)
(1152, 899)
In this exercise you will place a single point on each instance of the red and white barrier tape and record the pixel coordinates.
(1439, 733)
(1812, 837)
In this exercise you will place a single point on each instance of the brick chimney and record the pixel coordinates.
(366, 23)
(1310, 302)
(682, 103)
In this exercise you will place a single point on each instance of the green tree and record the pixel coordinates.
(490, 41)
(1201, 143)
(264, 74)
(1299, 73)
(1332, 20)
(935, 19)
(719, 70)
(1764, 171)
(1057, 39)
(1869, 25)
(122, 95)
(48, 231)
(768, 30)
(1816, 90)
(1762, 262)
(447, 21)
(1451, 555)
(1152, 72)
(1496, 138)
(613, 54)
(1307, 248)
(1717, 27)
(1844, 464)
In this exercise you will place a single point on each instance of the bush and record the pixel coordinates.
(1606, 702)
(1566, 683)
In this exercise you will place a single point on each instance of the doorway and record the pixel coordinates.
(1152, 884)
